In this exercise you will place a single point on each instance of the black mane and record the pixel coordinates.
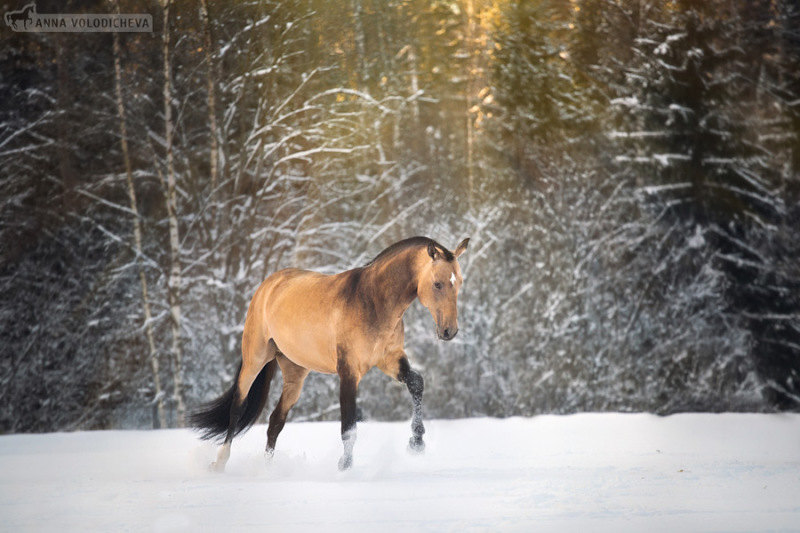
(412, 242)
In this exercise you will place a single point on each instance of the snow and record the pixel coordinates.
(596, 472)
(629, 101)
(665, 159)
(661, 49)
(697, 240)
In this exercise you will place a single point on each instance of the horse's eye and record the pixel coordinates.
(438, 286)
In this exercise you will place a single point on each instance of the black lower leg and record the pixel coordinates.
(276, 422)
(348, 387)
(416, 385)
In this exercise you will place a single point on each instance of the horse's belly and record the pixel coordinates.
(306, 350)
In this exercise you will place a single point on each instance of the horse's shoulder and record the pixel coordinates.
(349, 282)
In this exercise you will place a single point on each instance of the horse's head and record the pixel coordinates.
(438, 287)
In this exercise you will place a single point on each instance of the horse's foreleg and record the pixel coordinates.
(416, 385)
(348, 388)
(293, 377)
(396, 366)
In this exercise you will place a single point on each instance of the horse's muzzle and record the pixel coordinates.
(448, 334)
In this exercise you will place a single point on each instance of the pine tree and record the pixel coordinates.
(693, 144)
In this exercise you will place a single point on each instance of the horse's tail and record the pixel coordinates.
(213, 418)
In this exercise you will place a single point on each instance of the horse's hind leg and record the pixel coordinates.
(293, 377)
(396, 365)
(349, 377)
(255, 355)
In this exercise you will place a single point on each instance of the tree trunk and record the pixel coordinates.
(66, 165)
(212, 105)
(470, 43)
(361, 49)
(174, 282)
(137, 232)
(412, 60)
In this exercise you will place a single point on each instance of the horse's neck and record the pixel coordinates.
(395, 284)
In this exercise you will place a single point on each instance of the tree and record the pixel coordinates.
(137, 232)
(174, 284)
(697, 122)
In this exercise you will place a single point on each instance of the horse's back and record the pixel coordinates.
(298, 288)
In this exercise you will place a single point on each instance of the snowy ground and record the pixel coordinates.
(593, 472)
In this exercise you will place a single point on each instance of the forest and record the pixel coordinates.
(628, 172)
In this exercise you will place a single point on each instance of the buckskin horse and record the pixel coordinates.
(342, 324)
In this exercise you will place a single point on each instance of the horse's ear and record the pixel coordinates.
(433, 252)
(461, 248)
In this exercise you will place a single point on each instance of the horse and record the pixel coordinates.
(344, 324)
(24, 15)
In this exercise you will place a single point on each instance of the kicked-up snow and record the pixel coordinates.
(588, 472)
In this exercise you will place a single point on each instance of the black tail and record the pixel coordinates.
(213, 418)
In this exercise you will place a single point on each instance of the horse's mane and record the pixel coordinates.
(405, 244)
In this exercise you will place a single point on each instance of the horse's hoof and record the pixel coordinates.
(216, 466)
(268, 456)
(345, 462)
(416, 445)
